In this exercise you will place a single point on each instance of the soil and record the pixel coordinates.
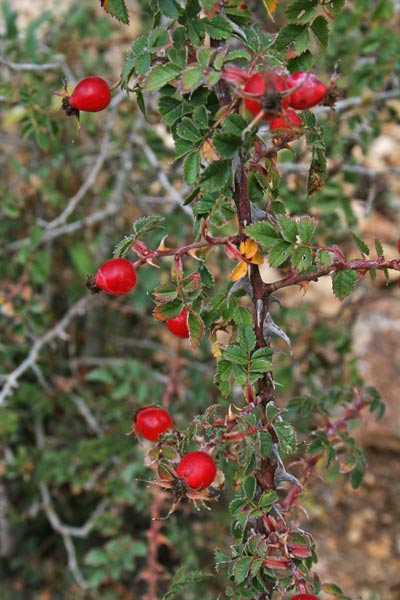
(358, 531)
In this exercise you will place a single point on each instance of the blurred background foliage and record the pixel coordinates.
(75, 519)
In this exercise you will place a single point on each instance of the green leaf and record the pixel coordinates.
(216, 176)
(169, 8)
(362, 246)
(306, 227)
(301, 11)
(187, 130)
(267, 499)
(191, 168)
(159, 39)
(383, 10)
(378, 248)
(182, 146)
(117, 9)
(280, 253)
(320, 30)
(165, 311)
(236, 355)
(170, 109)
(303, 62)
(224, 370)
(302, 258)
(292, 33)
(160, 75)
(249, 487)
(204, 56)
(264, 234)
(196, 329)
(286, 436)
(265, 443)
(192, 78)
(344, 283)
(247, 339)
(182, 578)
(242, 316)
(324, 258)
(226, 144)
(288, 228)
(241, 569)
(166, 292)
(97, 557)
(217, 28)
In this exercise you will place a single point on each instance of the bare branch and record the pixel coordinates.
(58, 331)
(86, 413)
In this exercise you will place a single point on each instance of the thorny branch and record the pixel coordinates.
(58, 331)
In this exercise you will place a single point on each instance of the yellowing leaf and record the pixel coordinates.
(216, 350)
(239, 271)
(258, 258)
(251, 251)
(209, 152)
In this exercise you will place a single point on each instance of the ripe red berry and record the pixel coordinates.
(304, 597)
(91, 94)
(151, 421)
(178, 325)
(198, 469)
(267, 88)
(116, 276)
(287, 120)
(310, 92)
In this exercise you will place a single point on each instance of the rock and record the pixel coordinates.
(376, 336)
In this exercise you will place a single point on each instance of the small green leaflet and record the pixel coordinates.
(117, 9)
(160, 75)
(293, 33)
(264, 234)
(361, 245)
(140, 228)
(302, 258)
(287, 436)
(181, 578)
(344, 283)
(241, 569)
(191, 167)
(320, 29)
(288, 228)
(306, 227)
(196, 329)
(301, 11)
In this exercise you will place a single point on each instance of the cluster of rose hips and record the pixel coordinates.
(117, 276)
(197, 468)
(275, 97)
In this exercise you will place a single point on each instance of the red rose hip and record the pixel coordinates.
(310, 91)
(116, 276)
(267, 87)
(178, 325)
(91, 94)
(304, 597)
(151, 421)
(198, 469)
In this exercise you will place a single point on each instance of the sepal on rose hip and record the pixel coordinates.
(180, 489)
